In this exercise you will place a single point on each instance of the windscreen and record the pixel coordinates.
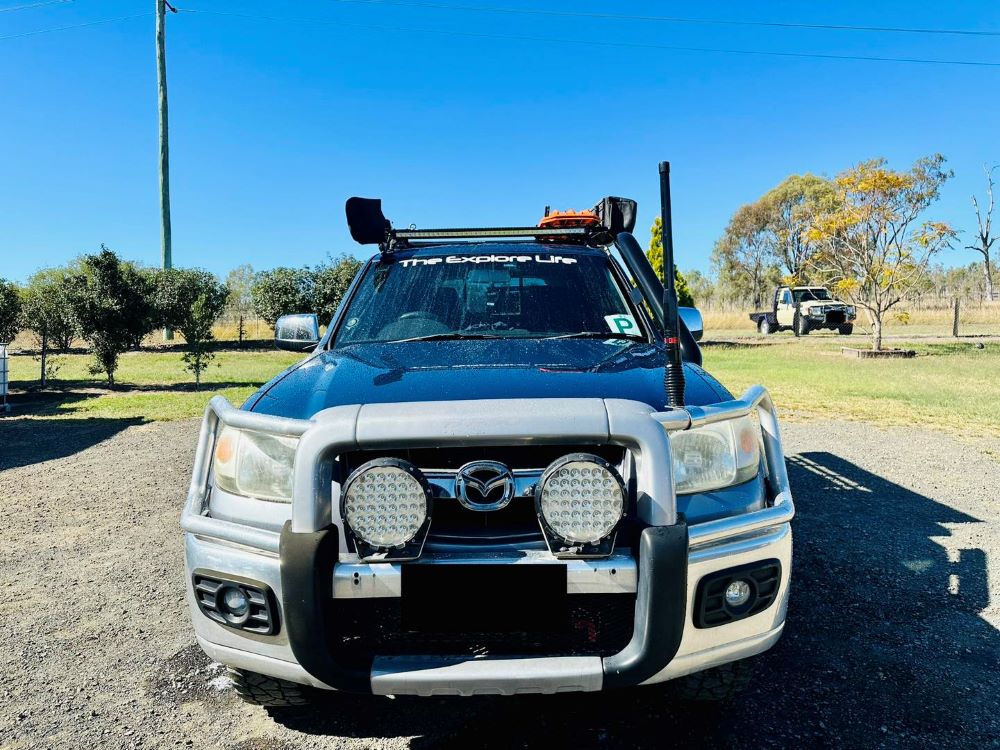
(527, 295)
(811, 295)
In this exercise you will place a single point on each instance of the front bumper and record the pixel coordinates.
(311, 573)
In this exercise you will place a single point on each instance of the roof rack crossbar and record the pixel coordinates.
(478, 232)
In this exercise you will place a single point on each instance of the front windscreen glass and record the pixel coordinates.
(811, 295)
(529, 294)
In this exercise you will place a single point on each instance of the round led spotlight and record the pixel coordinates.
(386, 502)
(234, 604)
(738, 593)
(580, 498)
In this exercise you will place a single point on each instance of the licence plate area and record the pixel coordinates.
(483, 598)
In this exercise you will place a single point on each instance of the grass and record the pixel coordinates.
(949, 386)
(152, 385)
(975, 319)
(952, 387)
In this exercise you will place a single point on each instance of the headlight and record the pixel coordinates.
(386, 504)
(580, 499)
(255, 464)
(851, 310)
(716, 455)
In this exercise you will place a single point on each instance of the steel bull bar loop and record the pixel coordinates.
(311, 542)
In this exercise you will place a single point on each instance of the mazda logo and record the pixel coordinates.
(484, 485)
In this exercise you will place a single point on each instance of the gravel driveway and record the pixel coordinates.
(893, 636)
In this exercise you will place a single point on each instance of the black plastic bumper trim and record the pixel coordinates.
(307, 564)
(710, 608)
(660, 608)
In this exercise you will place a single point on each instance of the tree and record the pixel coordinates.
(190, 301)
(330, 283)
(47, 313)
(874, 251)
(985, 239)
(655, 255)
(701, 287)
(239, 282)
(791, 209)
(111, 301)
(744, 255)
(282, 291)
(10, 311)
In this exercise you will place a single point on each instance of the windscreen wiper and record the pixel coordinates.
(596, 335)
(453, 336)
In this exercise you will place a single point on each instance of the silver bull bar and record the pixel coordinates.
(631, 424)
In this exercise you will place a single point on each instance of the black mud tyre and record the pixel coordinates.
(846, 330)
(717, 684)
(270, 692)
(764, 327)
(800, 325)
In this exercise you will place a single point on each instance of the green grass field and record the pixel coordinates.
(948, 386)
(150, 385)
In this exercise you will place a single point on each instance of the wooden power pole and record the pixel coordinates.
(161, 84)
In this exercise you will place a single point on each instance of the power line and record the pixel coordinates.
(34, 5)
(670, 19)
(595, 42)
(74, 26)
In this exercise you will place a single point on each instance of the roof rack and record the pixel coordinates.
(369, 226)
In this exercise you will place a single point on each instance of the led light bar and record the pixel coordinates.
(472, 233)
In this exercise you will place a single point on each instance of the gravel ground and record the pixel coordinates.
(893, 638)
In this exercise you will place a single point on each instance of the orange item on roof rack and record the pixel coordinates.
(558, 219)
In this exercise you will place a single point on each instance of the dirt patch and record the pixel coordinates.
(188, 675)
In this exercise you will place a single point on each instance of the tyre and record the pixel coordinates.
(261, 690)
(717, 684)
(801, 325)
(764, 327)
(846, 330)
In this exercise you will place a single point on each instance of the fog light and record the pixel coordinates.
(234, 604)
(235, 601)
(737, 593)
(244, 605)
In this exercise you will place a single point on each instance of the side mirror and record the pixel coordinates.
(693, 320)
(296, 333)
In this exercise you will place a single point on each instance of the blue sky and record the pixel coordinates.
(276, 121)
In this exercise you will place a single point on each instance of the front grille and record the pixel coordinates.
(594, 625)
(837, 317)
(516, 457)
(454, 524)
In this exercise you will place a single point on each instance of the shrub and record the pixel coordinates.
(281, 291)
(10, 311)
(190, 301)
(47, 313)
(112, 303)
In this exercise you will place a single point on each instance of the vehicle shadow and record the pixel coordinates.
(77, 389)
(884, 646)
(27, 441)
